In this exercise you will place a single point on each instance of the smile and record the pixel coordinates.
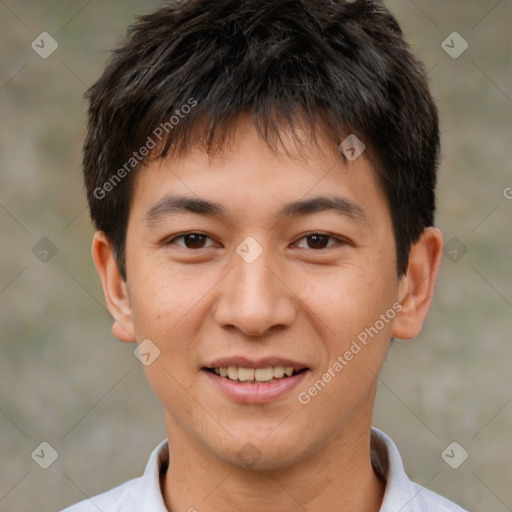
(269, 374)
(261, 385)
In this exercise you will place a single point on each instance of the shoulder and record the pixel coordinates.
(401, 493)
(431, 499)
(120, 498)
(138, 495)
(426, 500)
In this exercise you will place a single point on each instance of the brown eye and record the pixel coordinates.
(191, 241)
(317, 241)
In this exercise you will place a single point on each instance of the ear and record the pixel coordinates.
(416, 287)
(115, 288)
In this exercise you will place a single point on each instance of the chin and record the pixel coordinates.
(262, 454)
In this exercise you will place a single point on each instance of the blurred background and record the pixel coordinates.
(65, 381)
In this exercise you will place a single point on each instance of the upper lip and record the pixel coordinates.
(244, 362)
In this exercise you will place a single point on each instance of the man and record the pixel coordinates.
(262, 178)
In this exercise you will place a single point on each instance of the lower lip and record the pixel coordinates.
(256, 393)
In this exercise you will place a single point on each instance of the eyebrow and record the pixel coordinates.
(172, 205)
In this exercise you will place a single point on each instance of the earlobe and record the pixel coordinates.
(416, 287)
(114, 288)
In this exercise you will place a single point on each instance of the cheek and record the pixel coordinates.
(358, 308)
(170, 307)
(159, 301)
(348, 299)
(165, 311)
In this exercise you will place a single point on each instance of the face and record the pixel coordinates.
(264, 280)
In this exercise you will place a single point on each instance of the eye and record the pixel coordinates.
(199, 241)
(191, 241)
(319, 241)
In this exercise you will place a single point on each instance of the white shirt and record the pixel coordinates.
(143, 494)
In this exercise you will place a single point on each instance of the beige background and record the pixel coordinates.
(66, 381)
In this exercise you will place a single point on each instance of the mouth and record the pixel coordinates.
(248, 381)
(255, 375)
(254, 380)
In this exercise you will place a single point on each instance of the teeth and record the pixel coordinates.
(246, 374)
(254, 375)
(278, 372)
(263, 374)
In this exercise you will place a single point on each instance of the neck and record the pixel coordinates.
(338, 476)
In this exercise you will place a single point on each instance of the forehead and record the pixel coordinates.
(248, 178)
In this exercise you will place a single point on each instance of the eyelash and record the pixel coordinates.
(183, 235)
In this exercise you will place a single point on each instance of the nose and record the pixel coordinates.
(254, 298)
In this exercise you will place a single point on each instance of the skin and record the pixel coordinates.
(295, 301)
